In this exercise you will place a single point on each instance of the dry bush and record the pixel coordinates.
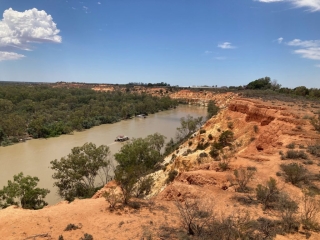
(310, 211)
(242, 177)
(267, 194)
(195, 216)
(112, 197)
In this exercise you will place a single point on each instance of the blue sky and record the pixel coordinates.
(181, 42)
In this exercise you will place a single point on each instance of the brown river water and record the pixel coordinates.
(33, 157)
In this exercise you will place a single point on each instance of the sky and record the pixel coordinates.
(180, 42)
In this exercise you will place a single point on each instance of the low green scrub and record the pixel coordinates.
(294, 154)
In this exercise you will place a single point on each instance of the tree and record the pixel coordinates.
(23, 191)
(188, 126)
(156, 141)
(226, 138)
(261, 83)
(135, 160)
(212, 109)
(76, 174)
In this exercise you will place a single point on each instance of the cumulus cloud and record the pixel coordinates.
(318, 65)
(280, 39)
(207, 52)
(10, 56)
(311, 5)
(226, 45)
(18, 30)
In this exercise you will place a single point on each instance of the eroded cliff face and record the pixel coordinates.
(261, 130)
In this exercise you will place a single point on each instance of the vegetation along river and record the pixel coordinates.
(33, 157)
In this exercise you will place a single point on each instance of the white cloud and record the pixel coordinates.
(309, 49)
(317, 65)
(279, 40)
(207, 52)
(85, 9)
(226, 45)
(21, 29)
(310, 53)
(10, 56)
(311, 5)
(99, 3)
(270, 1)
(305, 44)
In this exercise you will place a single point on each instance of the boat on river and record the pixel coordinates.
(142, 116)
(121, 138)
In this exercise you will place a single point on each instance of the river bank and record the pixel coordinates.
(33, 157)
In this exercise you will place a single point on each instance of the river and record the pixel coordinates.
(33, 157)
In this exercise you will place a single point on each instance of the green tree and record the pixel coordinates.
(135, 160)
(23, 191)
(212, 109)
(226, 137)
(261, 83)
(76, 174)
(188, 126)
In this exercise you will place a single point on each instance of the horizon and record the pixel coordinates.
(224, 43)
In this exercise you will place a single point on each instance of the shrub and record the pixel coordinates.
(288, 210)
(226, 138)
(172, 175)
(251, 168)
(267, 194)
(202, 146)
(256, 128)
(224, 164)
(203, 154)
(195, 216)
(202, 131)
(310, 211)
(292, 154)
(71, 227)
(314, 149)
(294, 172)
(316, 123)
(230, 125)
(87, 236)
(210, 137)
(214, 152)
(291, 145)
(243, 177)
(309, 162)
(112, 197)
(190, 143)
